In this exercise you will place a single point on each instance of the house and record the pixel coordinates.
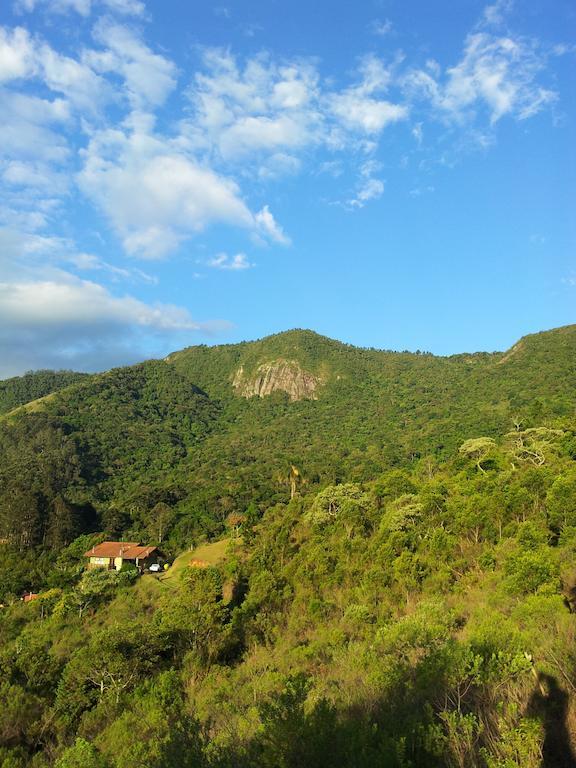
(29, 596)
(113, 554)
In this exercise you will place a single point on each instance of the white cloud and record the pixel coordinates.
(261, 107)
(176, 196)
(70, 322)
(419, 191)
(126, 7)
(232, 263)
(97, 120)
(381, 28)
(28, 128)
(358, 108)
(262, 133)
(495, 14)
(496, 74)
(149, 77)
(279, 165)
(82, 7)
(75, 80)
(269, 227)
(368, 187)
(35, 179)
(371, 189)
(92, 263)
(418, 133)
(369, 115)
(16, 54)
(24, 57)
(84, 304)
(274, 114)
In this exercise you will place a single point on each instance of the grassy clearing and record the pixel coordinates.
(212, 553)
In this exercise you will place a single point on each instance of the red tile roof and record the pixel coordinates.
(127, 550)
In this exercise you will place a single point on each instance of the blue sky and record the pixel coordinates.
(391, 173)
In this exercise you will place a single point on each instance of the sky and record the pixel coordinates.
(397, 174)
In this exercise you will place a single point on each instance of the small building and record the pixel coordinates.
(113, 554)
(27, 597)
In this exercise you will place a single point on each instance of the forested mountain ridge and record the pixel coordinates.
(179, 432)
(399, 587)
(20, 390)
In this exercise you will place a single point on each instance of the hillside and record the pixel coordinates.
(186, 433)
(386, 545)
(33, 385)
(420, 618)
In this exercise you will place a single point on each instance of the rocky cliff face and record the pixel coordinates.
(278, 376)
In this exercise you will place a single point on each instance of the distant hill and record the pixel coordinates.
(33, 385)
(209, 430)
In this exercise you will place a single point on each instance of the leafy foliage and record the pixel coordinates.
(408, 602)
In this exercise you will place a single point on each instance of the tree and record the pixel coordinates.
(533, 445)
(561, 501)
(81, 755)
(294, 736)
(154, 729)
(195, 617)
(293, 478)
(477, 449)
(113, 663)
(346, 503)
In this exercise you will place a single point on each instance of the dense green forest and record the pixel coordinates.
(399, 582)
(34, 385)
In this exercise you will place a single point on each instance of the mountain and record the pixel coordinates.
(210, 430)
(33, 385)
(372, 560)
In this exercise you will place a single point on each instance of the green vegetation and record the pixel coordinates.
(395, 586)
(211, 554)
(33, 385)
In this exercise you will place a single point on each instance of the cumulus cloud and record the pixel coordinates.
(35, 174)
(260, 106)
(370, 115)
(176, 197)
(16, 54)
(83, 303)
(94, 120)
(359, 107)
(271, 115)
(148, 76)
(262, 133)
(29, 128)
(125, 7)
(266, 107)
(371, 189)
(72, 322)
(22, 57)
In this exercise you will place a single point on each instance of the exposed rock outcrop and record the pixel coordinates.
(278, 376)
